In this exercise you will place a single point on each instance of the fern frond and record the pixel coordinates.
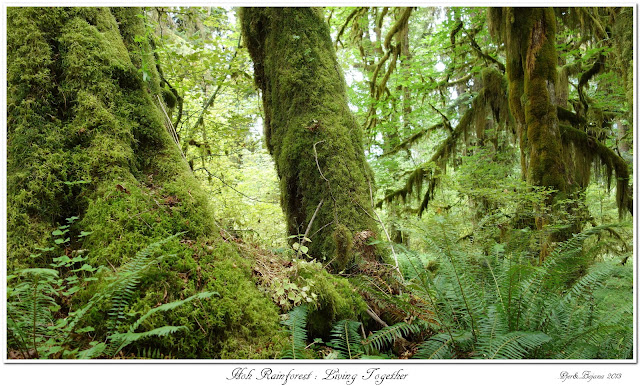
(514, 345)
(129, 275)
(29, 307)
(389, 334)
(129, 337)
(93, 352)
(170, 306)
(346, 339)
(437, 347)
(296, 324)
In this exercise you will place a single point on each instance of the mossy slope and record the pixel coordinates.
(86, 138)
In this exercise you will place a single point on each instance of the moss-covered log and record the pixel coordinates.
(313, 137)
(86, 138)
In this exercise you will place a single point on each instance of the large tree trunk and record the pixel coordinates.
(531, 68)
(86, 138)
(314, 139)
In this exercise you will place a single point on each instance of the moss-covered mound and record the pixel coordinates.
(292, 282)
(86, 138)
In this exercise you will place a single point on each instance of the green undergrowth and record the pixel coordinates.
(497, 305)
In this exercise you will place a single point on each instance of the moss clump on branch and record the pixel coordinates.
(86, 139)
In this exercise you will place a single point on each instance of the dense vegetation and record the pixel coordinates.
(368, 182)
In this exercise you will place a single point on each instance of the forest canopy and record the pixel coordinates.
(320, 183)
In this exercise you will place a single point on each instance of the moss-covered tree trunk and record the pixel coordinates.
(86, 138)
(314, 139)
(531, 70)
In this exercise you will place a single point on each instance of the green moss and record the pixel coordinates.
(169, 97)
(313, 137)
(234, 324)
(546, 165)
(344, 242)
(86, 139)
(337, 300)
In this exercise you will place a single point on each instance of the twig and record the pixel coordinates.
(170, 127)
(315, 153)
(376, 317)
(306, 233)
(324, 226)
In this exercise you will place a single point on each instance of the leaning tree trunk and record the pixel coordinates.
(325, 182)
(86, 138)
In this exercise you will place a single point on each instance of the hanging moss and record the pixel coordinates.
(313, 137)
(86, 139)
(622, 36)
(591, 150)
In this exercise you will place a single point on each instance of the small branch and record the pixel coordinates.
(447, 124)
(315, 153)
(211, 99)
(321, 228)
(306, 233)
(404, 17)
(376, 317)
(170, 127)
(341, 31)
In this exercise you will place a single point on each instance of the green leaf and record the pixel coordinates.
(85, 267)
(79, 259)
(61, 260)
(54, 349)
(92, 352)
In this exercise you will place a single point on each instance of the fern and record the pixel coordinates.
(437, 347)
(31, 323)
(347, 340)
(386, 336)
(120, 340)
(128, 278)
(296, 324)
(155, 353)
(29, 309)
(513, 345)
(513, 310)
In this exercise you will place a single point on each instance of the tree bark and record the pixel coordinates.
(310, 132)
